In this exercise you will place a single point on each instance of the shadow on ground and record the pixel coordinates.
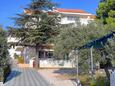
(13, 74)
(66, 71)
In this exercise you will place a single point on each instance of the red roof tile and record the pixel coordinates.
(70, 10)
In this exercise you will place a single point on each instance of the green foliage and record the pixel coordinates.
(106, 11)
(92, 83)
(42, 4)
(4, 72)
(108, 50)
(100, 81)
(7, 71)
(3, 49)
(4, 61)
(84, 79)
(37, 27)
(1, 74)
(73, 37)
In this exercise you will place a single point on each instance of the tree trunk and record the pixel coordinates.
(107, 73)
(37, 57)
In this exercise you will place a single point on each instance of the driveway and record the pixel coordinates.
(52, 76)
(25, 77)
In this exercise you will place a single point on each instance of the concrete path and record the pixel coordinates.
(25, 77)
(52, 76)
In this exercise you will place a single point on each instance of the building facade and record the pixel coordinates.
(69, 16)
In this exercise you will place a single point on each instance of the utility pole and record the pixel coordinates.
(77, 63)
(91, 52)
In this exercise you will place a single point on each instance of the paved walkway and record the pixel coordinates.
(52, 76)
(25, 77)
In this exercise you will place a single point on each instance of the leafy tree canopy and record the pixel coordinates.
(70, 38)
(38, 25)
(106, 11)
(3, 48)
(74, 37)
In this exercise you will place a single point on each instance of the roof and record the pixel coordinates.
(29, 11)
(70, 10)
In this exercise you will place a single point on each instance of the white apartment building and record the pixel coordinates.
(69, 16)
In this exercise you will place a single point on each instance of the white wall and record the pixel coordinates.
(12, 49)
(64, 20)
(50, 63)
(84, 18)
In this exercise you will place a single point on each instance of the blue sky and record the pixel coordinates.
(9, 8)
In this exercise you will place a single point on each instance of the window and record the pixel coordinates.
(70, 18)
(45, 54)
(41, 54)
(50, 54)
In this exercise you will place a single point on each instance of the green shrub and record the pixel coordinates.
(1, 75)
(4, 59)
(4, 72)
(84, 79)
(93, 83)
(100, 81)
(7, 71)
